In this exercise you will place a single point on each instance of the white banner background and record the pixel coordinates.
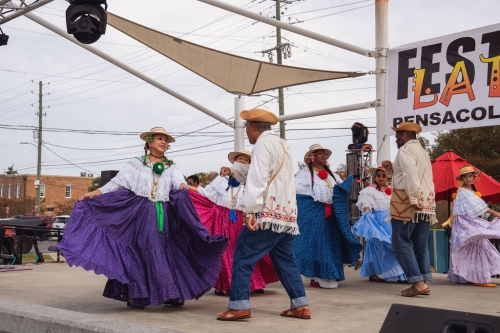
(461, 112)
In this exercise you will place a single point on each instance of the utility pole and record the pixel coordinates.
(39, 163)
(281, 102)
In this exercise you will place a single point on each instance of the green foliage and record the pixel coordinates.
(480, 146)
(10, 170)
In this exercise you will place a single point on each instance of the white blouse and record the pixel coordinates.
(373, 198)
(468, 203)
(320, 192)
(216, 192)
(138, 178)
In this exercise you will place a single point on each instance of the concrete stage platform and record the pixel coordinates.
(57, 298)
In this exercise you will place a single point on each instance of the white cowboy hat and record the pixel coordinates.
(314, 148)
(233, 155)
(157, 130)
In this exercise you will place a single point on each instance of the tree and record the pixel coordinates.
(10, 170)
(479, 146)
(206, 178)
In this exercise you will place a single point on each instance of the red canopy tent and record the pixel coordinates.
(447, 166)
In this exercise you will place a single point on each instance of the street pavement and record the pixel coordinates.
(356, 306)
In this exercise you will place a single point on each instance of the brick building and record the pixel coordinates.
(55, 190)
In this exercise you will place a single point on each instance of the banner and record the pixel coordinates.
(447, 82)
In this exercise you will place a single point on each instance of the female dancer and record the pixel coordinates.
(325, 239)
(144, 234)
(379, 258)
(220, 207)
(472, 256)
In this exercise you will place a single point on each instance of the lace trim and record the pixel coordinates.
(216, 192)
(467, 203)
(321, 192)
(373, 198)
(139, 179)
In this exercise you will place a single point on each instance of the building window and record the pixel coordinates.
(18, 191)
(9, 191)
(42, 190)
(1, 191)
(50, 209)
(68, 191)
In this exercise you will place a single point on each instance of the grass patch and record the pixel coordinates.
(31, 257)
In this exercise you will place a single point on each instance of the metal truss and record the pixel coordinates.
(9, 10)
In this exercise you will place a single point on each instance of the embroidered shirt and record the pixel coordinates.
(322, 191)
(412, 171)
(275, 205)
(374, 199)
(218, 193)
(138, 178)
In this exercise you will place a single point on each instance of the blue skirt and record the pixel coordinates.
(325, 244)
(379, 257)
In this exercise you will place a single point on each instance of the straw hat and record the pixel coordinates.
(374, 171)
(410, 127)
(467, 169)
(157, 130)
(259, 115)
(314, 148)
(233, 155)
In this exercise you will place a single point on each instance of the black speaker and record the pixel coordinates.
(107, 175)
(417, 319)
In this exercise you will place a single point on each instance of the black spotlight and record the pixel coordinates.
(3, 38)
(359, 137)
(359, 133)
(86, 20)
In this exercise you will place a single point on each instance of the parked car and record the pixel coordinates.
(59, 223)
(30, 222)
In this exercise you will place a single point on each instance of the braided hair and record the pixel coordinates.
(146, 148)
(474, 187)
(310, 165)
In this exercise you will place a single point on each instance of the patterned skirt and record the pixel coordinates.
(472, 256)
(216, 219)
(325, 244)
(117, 234)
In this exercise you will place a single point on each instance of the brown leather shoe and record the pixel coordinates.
(235, 315)
(302, 313)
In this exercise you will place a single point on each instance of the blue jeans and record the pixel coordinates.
(409, 242)
(250, 248)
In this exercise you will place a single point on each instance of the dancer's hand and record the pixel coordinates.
(387, 165)
(182, 186)
(418, 206)
(89, 195)
(251, 223)
(225, 171)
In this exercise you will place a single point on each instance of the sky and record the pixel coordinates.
(95, 111)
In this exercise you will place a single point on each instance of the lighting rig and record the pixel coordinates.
(3, 38)
(86, 20)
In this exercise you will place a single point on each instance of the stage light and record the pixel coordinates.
(3, 38)
(86, 20)
(359, 133)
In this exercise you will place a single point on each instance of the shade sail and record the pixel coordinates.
(233, 73)
(447, 166)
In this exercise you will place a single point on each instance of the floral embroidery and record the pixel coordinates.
(277, 216)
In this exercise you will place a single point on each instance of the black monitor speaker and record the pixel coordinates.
(416, 319)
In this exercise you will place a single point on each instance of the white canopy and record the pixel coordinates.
(233, 73)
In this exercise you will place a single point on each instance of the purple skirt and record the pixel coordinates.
(116, 234)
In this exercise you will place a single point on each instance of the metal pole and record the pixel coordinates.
(39, 162)
(239, 125)
(127, 68)
(289, 27)
(338, 109)
(281, 101)
(381, 45)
